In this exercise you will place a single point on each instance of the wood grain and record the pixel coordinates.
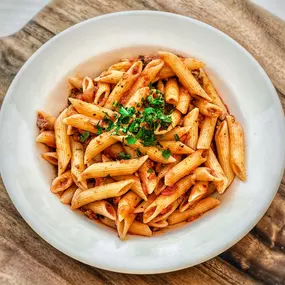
(258, 258)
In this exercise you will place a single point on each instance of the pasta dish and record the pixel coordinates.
(146, 146)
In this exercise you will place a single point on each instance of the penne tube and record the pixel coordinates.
(147, 176)
(185, 76)
(110, 76)
(211, 91)
(82, 122)
(88, 89)
(136, 99)
(160, 86)
(47, 138)
(45, 121)
(175, 132)
(101, 192)
(147, 76)
(237, 148)
(71, 111)
(176, 147)
(191, 64)
(50, 157)
(198, 191)
(136, 187)
(62, 142)
(124, 225)
(132, 152)
(158, 224)
(62, 182)
(184, 167)
(184, 100)
(103, 208)
(127, 205)
(222, 140)
(168, 211)
(143, 205)
(106, 158)
(76, 82)
(97, 158)
(154, 153)
(114, 168)
(168, 167)
(124, 85)
(207, 133)
(175, 119)
(102, 93)
(208, 109)
(115, 150)
(67, 195)
(160, 187)
(163, 201)
(108, 222)
(97, 145)
(191, 120)
(172, 91)
(214, 164)
(140, 229)
(77, 163)
(202, 207)
(91, 110)
(75, 195)
(205, 174)
(121, 66)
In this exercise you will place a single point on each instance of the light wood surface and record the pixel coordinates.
(258, 258)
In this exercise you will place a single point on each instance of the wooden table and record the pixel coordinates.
(259, 257)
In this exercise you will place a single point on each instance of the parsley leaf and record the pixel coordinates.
(131, 139)
(138, 152)
(150, 170)
(176, 137)
(115, 103)
(123, 155)
(84, 136)
(166, 153)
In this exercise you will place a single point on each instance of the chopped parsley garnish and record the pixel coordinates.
(131, 139)
(138, 152)
(123, 155)
(99, 129)
(115, 103)
(150, 170)
(176, 137)
(166, 153)
(84, 136)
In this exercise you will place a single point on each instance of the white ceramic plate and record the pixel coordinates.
(240, 80)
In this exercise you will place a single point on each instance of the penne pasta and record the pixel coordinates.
(102, 208)
(110, 76)
(148, 176)
(67, 195)
(82, 122)
(137, 97)
(184, 100)
(142, 206)
(191, 120)
(76, 82)
(101, 192)
(45, 121)
(214, 164)
(172, 91)
(205, 174)
(121, 66)
(71, 111)
(62, 142)
(184, 167)
(207, 133)
(140, 229)
(154, 153)
(223, 150)
(50, 157)
(237, 148)
(124, 84)
(211, 91)
(102, 93)
(198, 191)
(127, 205)
(176, 147)
(114, 168)
(47, 138)
(202, 207)
(175, 132)
(91, 110)
(168, 167)
(185, 76)
(158, 224)
(208, 109)
(160, 86)
(88, 89)
(163, 201)
(62, 182)
(77, 163)
(191, 64)
(146, 77)
(132, 152)
(108, 222)
(97, 145)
